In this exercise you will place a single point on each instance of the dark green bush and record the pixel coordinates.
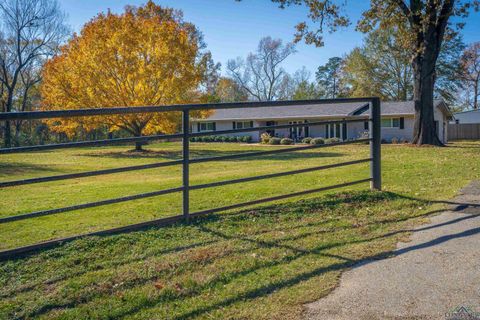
(286, 141)
(247, 139)
(274, 141)
(317, 141)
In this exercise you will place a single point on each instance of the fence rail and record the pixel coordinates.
(185, 135)
(464, 131)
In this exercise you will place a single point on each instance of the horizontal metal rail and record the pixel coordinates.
(170, 163)
(16, 252)
(276, 175)
(89, 174)
(173, 190)
(30, 115)
(374, 140)
(164, 137)
(276, 151)
(279, 126)
(94, 143)
(89, 205)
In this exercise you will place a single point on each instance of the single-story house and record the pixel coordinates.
(472, 116)
(397, 120)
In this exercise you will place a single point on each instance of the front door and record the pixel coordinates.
(272, 131)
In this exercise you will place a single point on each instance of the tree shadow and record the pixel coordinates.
(345, 264)
(207, 153)
(464, 145)
(212, 225)
(14, 168)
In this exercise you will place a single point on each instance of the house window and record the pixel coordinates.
(334, 130)
(206, 126)
(299, 132)
(391, 123)
(243, 125)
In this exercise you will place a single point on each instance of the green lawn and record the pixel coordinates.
(264, 262)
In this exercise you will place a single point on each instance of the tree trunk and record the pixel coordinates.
(7, 139)
(425, 131)
(138, 146)
(8, 108)
(475, 96)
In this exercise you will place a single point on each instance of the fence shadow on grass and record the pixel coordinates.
(212, 227)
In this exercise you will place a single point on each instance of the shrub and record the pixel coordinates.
(193, 139)
(238, 139)
(246, 139)
(332, 140)
(265, 138)
(217, 139)
(307, 140)
(286, 141)
(208, 139)
(403, 140)
(223, 139)
(317, 141)
(274, 141)
(395, 140)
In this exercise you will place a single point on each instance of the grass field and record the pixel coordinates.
(260, 263)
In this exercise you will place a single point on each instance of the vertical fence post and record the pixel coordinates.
(375, 145)
(186, 160)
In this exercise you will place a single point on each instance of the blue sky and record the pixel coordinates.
(233, 29)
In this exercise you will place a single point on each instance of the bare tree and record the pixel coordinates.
(261, 75)
(470, 74)
(31, 31)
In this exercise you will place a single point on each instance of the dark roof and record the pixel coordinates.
(330, 110)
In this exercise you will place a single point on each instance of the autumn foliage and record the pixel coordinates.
(146, 56)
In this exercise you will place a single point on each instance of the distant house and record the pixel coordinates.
(472, 116)
(397, 120)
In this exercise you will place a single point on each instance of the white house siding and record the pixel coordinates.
(355, 130)
(442, 125)
(228, 125)
(396, 133)
(467, 117)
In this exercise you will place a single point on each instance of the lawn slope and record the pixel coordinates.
(261, 263)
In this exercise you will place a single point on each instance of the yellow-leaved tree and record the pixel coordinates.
(146, 56)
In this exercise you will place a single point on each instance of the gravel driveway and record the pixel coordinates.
(438, 271)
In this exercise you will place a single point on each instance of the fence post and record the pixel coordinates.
(375, 145)
(186, 160)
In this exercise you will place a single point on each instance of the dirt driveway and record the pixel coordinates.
(426, 278)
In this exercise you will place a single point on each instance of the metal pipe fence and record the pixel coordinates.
(374, 159)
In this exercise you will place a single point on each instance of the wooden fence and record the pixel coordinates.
(464, 131)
